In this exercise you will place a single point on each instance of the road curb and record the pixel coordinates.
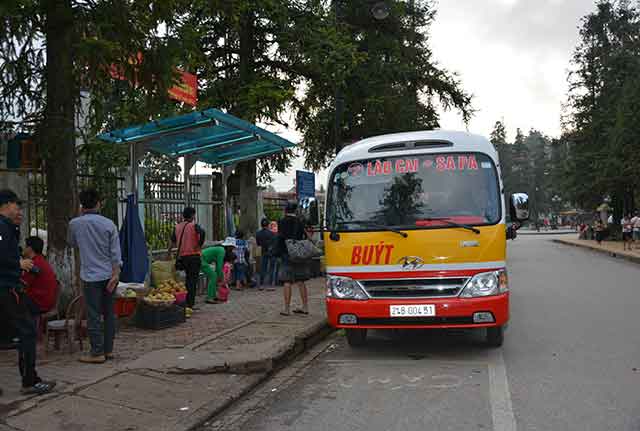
(202, 342)
(303, 341)
(529, 233)
(610, 253)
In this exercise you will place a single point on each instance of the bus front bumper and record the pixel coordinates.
(449, 313)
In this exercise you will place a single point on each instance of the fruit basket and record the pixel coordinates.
(154, 302)
(158, 317)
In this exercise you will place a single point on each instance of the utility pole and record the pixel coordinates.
(339, 98)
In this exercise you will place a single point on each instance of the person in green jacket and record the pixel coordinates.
(213, 255)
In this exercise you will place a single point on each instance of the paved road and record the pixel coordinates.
(571, 361)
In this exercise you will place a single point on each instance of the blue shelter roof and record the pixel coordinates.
(212, 136)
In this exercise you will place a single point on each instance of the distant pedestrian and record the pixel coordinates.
(213, 255)
(599, 230)
(188, 237)
(229, 259)
(635, 221)
(292, 273)
(241, 265)
(582, 231)
(13, 308)
(273, 226)
(269, 263)
(40, 283)
(627, 232)
(96, 237)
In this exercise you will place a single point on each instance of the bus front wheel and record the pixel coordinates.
(356, 337)
(495, 336)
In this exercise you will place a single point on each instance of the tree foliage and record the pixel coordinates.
(377, 76)
(528, 166)
(260, 60)
(601, 127)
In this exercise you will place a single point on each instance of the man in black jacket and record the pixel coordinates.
(12, 299)
(265, 239)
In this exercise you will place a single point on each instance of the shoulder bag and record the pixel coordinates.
(179, 263)
(302, 250)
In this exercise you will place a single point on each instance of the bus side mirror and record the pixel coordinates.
(519, 207)
(309, 211)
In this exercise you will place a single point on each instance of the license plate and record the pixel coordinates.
(412, 310)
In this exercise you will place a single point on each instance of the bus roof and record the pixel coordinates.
(420, 142)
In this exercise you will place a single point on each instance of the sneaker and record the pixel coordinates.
(109, 356)
(40, 388)
(91, 359)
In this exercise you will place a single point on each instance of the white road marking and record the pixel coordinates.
(501, 409)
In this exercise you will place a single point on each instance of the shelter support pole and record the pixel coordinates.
(189, 161)
(225, 178)
(133, 160)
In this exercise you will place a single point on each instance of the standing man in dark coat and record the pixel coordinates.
(265, 239)
(13, 305)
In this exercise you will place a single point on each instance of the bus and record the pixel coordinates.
(415, 235)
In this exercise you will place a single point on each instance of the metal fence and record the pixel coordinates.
(110, 187)
(273, 207)
(162, 209)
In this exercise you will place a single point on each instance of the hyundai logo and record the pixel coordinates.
(411, 262)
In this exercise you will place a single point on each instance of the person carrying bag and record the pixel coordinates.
(302, 250)
(295, 250)
(189, 250)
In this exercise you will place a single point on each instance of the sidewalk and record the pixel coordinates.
(612, 248)
(171, 379)
(524, 231)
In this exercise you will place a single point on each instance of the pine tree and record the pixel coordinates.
(390, 83)
(49, 50)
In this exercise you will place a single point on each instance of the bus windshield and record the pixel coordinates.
(416, 191)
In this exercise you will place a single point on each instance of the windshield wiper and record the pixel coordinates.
(450, 222)
(375, 226)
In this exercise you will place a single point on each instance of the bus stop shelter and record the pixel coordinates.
(210, 136)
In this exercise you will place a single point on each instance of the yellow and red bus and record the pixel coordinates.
(415, 235)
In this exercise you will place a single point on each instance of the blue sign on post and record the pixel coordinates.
(305, 184)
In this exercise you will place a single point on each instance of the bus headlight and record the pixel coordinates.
(344, 288)
(486, 284)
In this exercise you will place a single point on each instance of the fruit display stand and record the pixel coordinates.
(158, 316)
(161, 308)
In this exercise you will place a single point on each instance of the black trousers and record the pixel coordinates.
(192, 270)
(20, 323)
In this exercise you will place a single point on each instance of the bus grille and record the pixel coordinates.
(414, 288)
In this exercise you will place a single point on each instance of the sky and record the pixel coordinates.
(512, 55)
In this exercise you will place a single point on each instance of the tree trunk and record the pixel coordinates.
(248, 197)
(247, 170)
(58, 139)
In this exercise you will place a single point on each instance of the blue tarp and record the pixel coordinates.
(211, 135)
(135, 256)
